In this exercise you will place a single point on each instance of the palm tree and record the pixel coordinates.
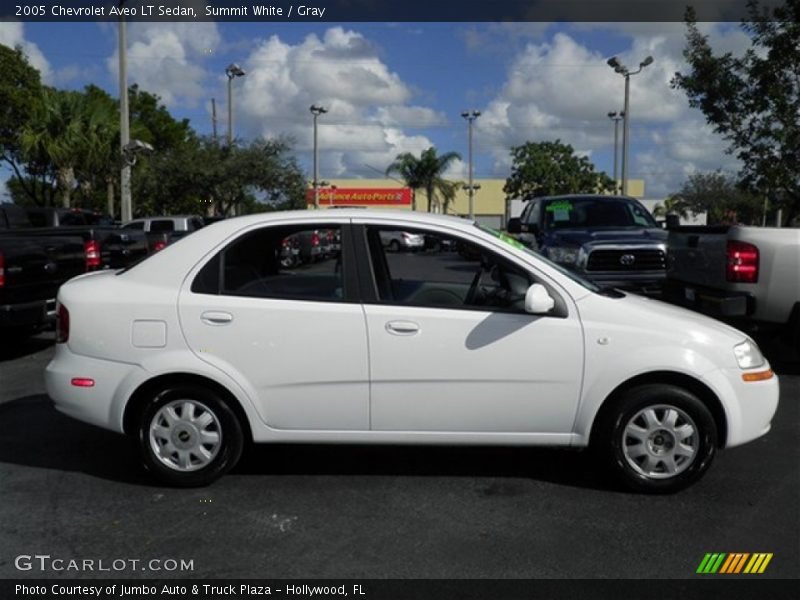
(425, 173)
(673, 205)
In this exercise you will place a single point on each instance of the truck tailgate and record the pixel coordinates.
(698, 256)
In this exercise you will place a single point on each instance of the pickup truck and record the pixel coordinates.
(107, 246)
(162, 231)
(747, 275)
(611, 240)
(33, 264)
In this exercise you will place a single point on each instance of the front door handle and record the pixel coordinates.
(402, 327)
(216, 317)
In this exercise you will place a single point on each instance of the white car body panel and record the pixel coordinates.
(468, 376)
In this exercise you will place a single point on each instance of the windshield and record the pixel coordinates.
(519, 246)
(595, 212)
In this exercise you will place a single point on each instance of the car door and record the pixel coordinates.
(291, 332)
(452, 349)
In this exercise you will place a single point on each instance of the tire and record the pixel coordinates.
(394, 246)
(174, 452)
(657, 439)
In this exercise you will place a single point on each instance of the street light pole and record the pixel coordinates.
(618, 67)
(125, 202)
(616, 117)
(316, 111)
(470, 116)
(231, 71)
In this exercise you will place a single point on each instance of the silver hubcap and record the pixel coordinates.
(660, 441)
(185, 435)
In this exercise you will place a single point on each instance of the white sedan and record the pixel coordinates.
(216, 341)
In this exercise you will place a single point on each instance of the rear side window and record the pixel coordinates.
(136, 225)
(291, 262)
(72, 219)
(162, 225)
(195, 224)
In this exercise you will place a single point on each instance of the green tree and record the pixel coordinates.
(753, 100)
(425, 173)
(551, 168)
(673, 205)
(718, 195)
(20, 91)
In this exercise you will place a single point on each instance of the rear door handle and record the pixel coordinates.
(402, 327)
(216, 317)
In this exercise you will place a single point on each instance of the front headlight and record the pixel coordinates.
(748, 355)
(563, 255)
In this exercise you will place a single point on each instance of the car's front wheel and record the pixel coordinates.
(188, 436)
(658, 438)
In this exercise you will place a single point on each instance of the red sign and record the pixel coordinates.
(361, 196)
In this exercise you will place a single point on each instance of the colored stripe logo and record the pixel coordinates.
(734, 563)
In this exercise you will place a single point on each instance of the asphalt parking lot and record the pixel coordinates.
(74, 491)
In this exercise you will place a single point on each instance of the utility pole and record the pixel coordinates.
(214, 119)
(616, 117)
(316, 111)
(470, 116)
(126, 208)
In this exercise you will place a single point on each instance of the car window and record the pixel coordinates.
(134, 225)
(162, 225)
(195, 223)
(426, 268)
(295, 262)
(72, 218)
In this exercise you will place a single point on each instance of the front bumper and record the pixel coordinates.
(749, 406)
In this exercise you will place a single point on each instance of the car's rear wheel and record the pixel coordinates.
(188, 436)
(658, 438)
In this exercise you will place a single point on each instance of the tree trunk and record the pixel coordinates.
(65, 177)
(110, 196)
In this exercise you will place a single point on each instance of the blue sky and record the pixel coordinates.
(397, 87)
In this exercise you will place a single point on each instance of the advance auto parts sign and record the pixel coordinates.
(361, 196)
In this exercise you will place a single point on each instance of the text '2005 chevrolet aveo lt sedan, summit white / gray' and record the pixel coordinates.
(472, 339)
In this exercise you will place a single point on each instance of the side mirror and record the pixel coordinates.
(537, 300)
(514, 225)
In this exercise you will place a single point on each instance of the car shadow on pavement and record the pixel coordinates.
(34, 434)
(18, 347)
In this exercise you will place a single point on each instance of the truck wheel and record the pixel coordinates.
(188, 436)
(658, 439)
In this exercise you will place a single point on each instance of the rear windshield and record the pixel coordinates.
(591, 212)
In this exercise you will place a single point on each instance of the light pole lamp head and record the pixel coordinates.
(234, 70)
(318, 110)
(471, 115)
(647, 61)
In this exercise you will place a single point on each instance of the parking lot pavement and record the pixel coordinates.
(74, 491)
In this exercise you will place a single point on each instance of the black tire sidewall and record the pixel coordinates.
(650, 395)
(227, 456)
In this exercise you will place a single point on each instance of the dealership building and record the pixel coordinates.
(492, 208)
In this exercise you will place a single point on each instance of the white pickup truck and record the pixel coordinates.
(749, 275)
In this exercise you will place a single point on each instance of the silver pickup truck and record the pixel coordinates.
(749, 275)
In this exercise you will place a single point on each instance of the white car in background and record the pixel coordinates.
(402, 240)
(213, 342)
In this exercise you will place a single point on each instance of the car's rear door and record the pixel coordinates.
(293, 334)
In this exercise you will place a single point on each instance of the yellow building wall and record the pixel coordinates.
(489, 199)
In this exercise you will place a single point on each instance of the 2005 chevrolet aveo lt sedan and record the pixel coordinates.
(215, 341)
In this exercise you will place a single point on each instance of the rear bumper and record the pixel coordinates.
(94, 405)
(709, 301)
(28, 314)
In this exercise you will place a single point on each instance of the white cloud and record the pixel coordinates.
(167, 59)
(368, 104)
(12, 33)
(562, 89)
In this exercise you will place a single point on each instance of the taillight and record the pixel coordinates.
(2, 270)
(91, 250)
(315, 239)
(742, 264)
(62, 324)
(330, 235)
(159, 245)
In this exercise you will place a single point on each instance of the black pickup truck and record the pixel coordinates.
(107, 246)
(612, 240)
(33, 264)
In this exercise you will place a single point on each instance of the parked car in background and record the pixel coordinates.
(108, 246)
(611, 240)
(402, 240)
(33, 264)
(213, 342)
(749, 275)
